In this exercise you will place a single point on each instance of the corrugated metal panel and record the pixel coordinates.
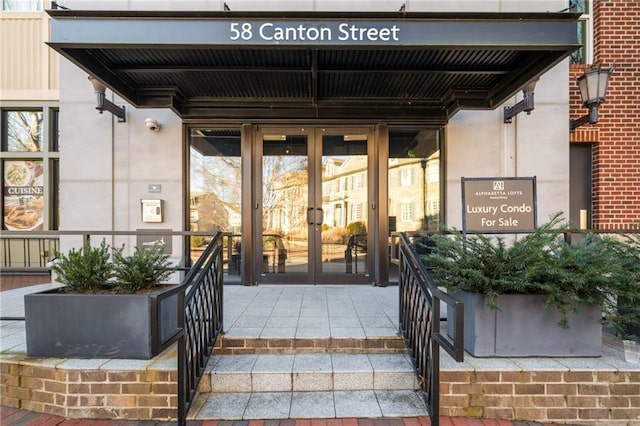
(220, 57)
(422, 75)
(54, 70)
(384, 76)
(248, 85)
(26, 59)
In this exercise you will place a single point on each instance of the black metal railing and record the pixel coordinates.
(201, 323)
(420, 324)
(32, 252)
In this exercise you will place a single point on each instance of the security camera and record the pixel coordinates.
(152, 124)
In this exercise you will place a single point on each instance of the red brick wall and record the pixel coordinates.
(616, 137)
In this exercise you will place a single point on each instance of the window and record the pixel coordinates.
(22, 5)
(215, 179)
(584, 55)
(358, 181)
(23, 130)
(406, 176)
(407, 212)
(433, 207)
(414, 178)
(30, 168)
(356, 211)
(343, 184)
(433, 170)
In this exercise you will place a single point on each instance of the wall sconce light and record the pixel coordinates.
(593, 90)
(102, 103)
(526, 104)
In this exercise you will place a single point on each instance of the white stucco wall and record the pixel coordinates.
(106, 167)
(480, 144)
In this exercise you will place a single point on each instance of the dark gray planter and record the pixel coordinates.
(129, 326)
(522, 327)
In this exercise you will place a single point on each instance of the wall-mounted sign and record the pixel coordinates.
(309, 31)
(146, 238)
(497, 205)
(434, 32)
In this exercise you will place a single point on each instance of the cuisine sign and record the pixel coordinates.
(23, 195)
(498, 205)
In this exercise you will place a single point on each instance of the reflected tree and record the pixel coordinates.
(219, 192)
(24, 131)
(284, 192)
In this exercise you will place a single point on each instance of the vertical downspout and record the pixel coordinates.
(511, 153)
(113, 171)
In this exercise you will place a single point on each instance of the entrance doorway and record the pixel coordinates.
(313, 205)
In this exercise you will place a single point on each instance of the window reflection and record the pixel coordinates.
(285, 182)
(22, 5)
(581, 6)
(585, 37)
(344, 203)
(414, 180)
(23, 131)
(215, 191)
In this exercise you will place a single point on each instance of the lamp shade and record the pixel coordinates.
(593, 86)
(98, 87)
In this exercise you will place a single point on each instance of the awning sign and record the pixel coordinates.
(499, 205)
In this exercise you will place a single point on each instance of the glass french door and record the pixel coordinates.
(313, 205)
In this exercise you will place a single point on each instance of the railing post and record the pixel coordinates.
(419, 313)
(181, 370)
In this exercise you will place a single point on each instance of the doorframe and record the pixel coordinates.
(372, 199)
(247, 136)
(381, 164)
(251, 167)
(256, 191)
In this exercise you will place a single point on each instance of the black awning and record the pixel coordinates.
(403, 66)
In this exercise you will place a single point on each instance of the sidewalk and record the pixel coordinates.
(15, 417)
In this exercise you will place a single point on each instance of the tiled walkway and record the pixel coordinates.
(265, 312)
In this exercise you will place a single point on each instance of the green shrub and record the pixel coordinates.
(357, 228)
(626, 318)
(592, 270)
(145, 269)
(198, 241)
(87, 270)
(101, 269)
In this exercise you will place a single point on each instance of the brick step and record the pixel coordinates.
(308, 372)
(227, 345)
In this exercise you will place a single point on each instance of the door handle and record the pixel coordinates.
(319, 210)
(310, 216)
